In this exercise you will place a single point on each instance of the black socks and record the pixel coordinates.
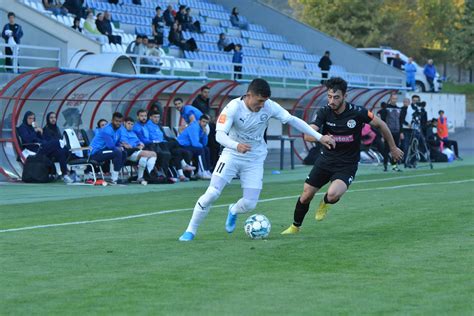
(300, 212)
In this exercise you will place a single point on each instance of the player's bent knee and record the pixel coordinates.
(249, 205)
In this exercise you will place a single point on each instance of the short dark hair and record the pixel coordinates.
(151, 113)
(205, 117)
(260, 87)
(141, 111)
(129, 119)
(100, 121)
(327, 52)
(205, 88)
(440, 111)
(177, 99)
(415, 96)
(157, 8)
(11, 14)
(336, 83)
(117, 115)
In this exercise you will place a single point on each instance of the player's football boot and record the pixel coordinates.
(187, 236)
(322, 211)
(291, 230)
(230, 221)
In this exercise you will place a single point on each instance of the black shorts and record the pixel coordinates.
(322, 173)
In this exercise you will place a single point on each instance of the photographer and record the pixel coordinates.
(390, 114)
(419, 116)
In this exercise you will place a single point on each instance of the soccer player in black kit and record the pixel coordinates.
(344, 122)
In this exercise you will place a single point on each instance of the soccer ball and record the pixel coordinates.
(257, 226)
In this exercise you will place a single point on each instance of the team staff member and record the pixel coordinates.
(344, 122)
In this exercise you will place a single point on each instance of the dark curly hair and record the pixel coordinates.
(337, 83)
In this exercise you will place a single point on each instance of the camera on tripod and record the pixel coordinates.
(418, 113)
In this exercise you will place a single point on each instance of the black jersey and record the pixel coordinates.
(346, 129)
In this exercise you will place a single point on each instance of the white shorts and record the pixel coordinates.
(251, 174)
(134, 156)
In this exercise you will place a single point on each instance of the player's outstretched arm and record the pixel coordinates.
(396, 152)
(303, 127)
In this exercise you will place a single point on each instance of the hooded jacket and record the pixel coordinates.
(28, 135)
(50, 131)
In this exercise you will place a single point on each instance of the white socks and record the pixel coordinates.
(150, 164)
(202, 207)
(115, 175)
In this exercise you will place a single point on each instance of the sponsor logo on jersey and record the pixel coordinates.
(343, 138)
(263, 117)
(330, 123)
(351, 123)
(222, 118)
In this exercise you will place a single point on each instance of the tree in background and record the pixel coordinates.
(412, 26)
(461, 42)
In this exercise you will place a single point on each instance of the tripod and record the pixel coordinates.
(417, 148)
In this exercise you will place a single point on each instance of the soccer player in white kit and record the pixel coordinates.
(240, 129)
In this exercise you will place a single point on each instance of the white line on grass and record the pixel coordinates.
(220, 205)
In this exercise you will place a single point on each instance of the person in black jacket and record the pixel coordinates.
(105, 27)
(158, 26)
(11, 31)
(325, 65)
(176, 38)
(168, 16)
(30, 134)
(390, 114)
(201, 102)
(51, 130)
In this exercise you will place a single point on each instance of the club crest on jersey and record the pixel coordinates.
(263, 117)
(351, 123)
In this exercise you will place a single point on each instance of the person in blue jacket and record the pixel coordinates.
(100, 124)
(410, 71)
(194, 139)
(430, 74)
(135, 150)
(30, 134)
(106, 145)
(188, 113)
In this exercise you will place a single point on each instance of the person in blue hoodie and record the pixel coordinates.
(410, 71)
(194, 139)
(100, 124)
(430, 74)
(106, 145)
(30, 134)
(237, 60)
(135, 150)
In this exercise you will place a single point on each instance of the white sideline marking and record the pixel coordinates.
(220, 205)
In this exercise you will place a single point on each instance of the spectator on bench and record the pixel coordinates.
(106, 146)
(91, 30)
(236, 21)
(194, 139)
(55, 6)
(135, 150)
(191, 25)
(77, 24)
(104, 26)
(224, 44)
(175, 37)
(30, 134)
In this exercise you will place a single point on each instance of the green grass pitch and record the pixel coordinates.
(395, 244)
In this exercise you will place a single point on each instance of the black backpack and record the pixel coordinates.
(38, 169)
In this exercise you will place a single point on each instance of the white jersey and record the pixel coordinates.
(247, 127)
